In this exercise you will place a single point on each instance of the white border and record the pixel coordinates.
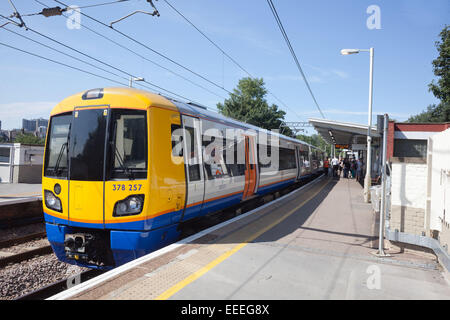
(125, 267)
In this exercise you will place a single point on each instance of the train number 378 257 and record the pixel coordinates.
(129, 187)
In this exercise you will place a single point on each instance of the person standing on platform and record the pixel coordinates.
(358, 170)
(335, 164)
(346, 167)
(326, 165)
(353, 168)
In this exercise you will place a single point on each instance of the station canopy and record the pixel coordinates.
(344, 133)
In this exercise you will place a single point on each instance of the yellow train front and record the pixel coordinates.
(110, 195)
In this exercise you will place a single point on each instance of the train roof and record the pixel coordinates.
(115, 97)
(122, 97)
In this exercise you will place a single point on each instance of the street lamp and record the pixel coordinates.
(135, 79)
(368, 178)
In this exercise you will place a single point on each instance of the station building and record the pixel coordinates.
(419, 161)
(21, 163)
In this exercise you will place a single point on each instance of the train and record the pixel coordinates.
(124, 169)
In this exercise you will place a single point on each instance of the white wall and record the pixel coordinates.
(409, 185)
(439, 147)
(28, 155)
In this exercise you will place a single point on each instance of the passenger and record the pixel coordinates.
(353, 168)
(335, 164)
(346, 168)
(358, 170)
(330, 168)
(326, 165)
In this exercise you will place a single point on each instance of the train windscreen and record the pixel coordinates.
(128, 141)
(87, 144)
(78, 141)
(56, 162)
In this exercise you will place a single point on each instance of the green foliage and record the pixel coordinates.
(441, 88)
(434, 113)
(28, 138)
(247, 103)
(316, 140)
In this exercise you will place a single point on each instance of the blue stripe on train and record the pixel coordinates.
(212, 206)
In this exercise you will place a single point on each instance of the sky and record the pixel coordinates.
(403, 36)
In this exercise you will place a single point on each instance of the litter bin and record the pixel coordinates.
(375, 196)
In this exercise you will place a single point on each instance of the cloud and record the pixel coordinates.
(340, 74)
(11, 114)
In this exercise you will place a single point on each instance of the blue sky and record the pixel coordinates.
(318, 30)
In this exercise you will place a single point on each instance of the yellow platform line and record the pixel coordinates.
(180, 285)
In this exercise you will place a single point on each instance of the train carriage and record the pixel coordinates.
(124, 168)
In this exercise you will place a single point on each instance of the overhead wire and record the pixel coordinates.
(225, 53)
(151, 49)
(60, 63)
(286, 38)
(102, 62)
(82, 7)
(139, 55)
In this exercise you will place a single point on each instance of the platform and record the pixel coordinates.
(314, 243)
(12, 193)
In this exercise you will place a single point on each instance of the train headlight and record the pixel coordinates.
(52, 201)
(129, 206)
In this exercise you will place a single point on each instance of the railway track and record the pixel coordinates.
(9, 248)
(61, 285)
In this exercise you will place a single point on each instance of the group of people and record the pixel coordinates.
(351, 168)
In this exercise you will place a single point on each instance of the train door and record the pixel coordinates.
(87, 165)
(193, 159)
(250, 167)
(298, 162)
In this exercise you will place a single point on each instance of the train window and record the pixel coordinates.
(87, 145)
(177, 140)
(4, 154)
(128, 144)
(214, 159)
(287, 159)
(192, 157)
(57, 146)
(230, 154)
(268, 162)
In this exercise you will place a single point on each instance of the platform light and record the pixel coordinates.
(346, 52)
(368, 178)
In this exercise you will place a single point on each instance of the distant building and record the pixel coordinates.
(36, 126)
(0, 125)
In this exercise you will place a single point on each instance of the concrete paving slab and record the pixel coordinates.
(12, 193)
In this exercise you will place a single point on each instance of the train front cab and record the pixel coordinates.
(119, 194)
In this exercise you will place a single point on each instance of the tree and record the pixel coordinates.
(28, 138)
(441, 88)
(247, 103)
(316, 140)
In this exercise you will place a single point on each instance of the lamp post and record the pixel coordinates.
(368, 178)
(135, 79)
